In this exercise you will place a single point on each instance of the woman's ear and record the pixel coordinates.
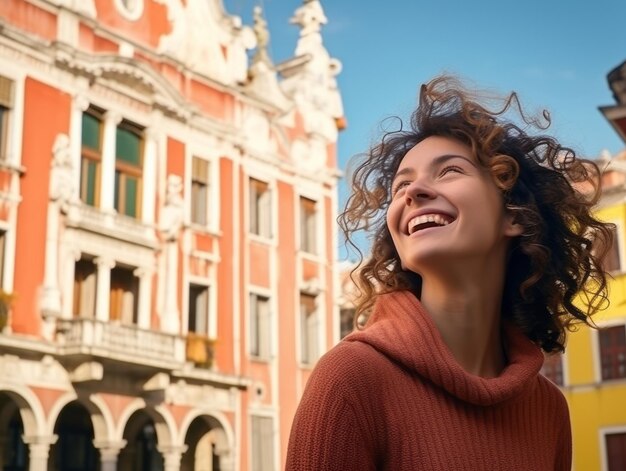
(511, 227)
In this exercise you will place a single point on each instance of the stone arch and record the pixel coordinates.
(30, 408)
(207, 436)
(73, 420)
(146, 431)
(164, 422)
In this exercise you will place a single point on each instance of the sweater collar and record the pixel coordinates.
(402, 330)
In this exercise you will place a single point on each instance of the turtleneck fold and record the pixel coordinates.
(393, 397)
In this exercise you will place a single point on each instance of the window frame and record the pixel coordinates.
(309, 225)
(208, 191)
(257, 464)
(7, 103)
(547, 370)
(127, 170)
(79, 286)
(259, 348)
(602, 433)
(618, 246)
(131, 13)
(87, 153)
(258, 226)
(208, 311)
(119, 293)
(598, 351)
(309, 341)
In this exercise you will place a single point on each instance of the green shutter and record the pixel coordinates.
(131, 197)
(127, 147)
(91, 132)
(116, 197)
(90, 197)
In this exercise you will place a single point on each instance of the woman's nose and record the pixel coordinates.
(418, 190)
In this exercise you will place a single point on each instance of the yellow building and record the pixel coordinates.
(593, 370)
(594, 376)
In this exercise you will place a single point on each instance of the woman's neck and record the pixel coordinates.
(467, 312)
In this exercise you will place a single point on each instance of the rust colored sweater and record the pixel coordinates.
(392, 397)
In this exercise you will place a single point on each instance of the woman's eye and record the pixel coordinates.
(400, 185)
(451, 169)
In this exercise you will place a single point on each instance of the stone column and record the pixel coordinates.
(61, 194)
(109, 451)
(171, 223)
(171, 456)
(103, 287)
(107, 183)
(150, 155)
(70, 258)
(38, 450)
(143, 304)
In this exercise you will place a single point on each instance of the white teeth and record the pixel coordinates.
(425, 218)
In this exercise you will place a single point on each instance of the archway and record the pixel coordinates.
(207, 446)
(74, 449)
(140, 452)
(13, 450)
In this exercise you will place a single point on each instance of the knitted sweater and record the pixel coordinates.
(392, 397)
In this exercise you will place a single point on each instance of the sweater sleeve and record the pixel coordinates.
(564, 444)
(330, 431)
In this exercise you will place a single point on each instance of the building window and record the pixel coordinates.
(124, 296)
(612, 259)
(259, 326)
(613, 352)
(346, 320)
(6, 105)
(615, 444)
(128, 169)
(262, 443)
(260, 208)
(199, 191)
(553, 368)
(85, 275)
(198, 321)
(130, 9)
(308, 226)
(91, 157)
(309, 329)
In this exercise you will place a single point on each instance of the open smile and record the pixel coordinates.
(426, 221)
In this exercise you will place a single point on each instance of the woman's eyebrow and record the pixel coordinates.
(435, 162)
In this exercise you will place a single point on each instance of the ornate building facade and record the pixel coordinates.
(167, 235)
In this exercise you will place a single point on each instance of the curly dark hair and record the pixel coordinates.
(554, 276)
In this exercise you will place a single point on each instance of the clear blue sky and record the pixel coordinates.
(554, 53)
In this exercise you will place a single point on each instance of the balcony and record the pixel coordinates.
(111, 224)
(125, 343)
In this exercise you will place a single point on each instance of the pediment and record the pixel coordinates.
(140, 79)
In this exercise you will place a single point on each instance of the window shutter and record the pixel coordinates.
(6, 92)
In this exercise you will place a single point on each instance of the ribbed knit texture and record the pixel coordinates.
(392, 397)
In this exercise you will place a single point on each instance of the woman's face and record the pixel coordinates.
(446, 208)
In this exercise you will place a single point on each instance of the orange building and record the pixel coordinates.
(167, 236)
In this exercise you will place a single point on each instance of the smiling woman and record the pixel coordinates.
(480, 245)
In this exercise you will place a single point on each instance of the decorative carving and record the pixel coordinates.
(310, 77)
(206, 40)
(173, 213)
(62, 188)
(262, 38)
(262, 78)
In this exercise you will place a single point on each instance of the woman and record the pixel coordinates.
(481, 250)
